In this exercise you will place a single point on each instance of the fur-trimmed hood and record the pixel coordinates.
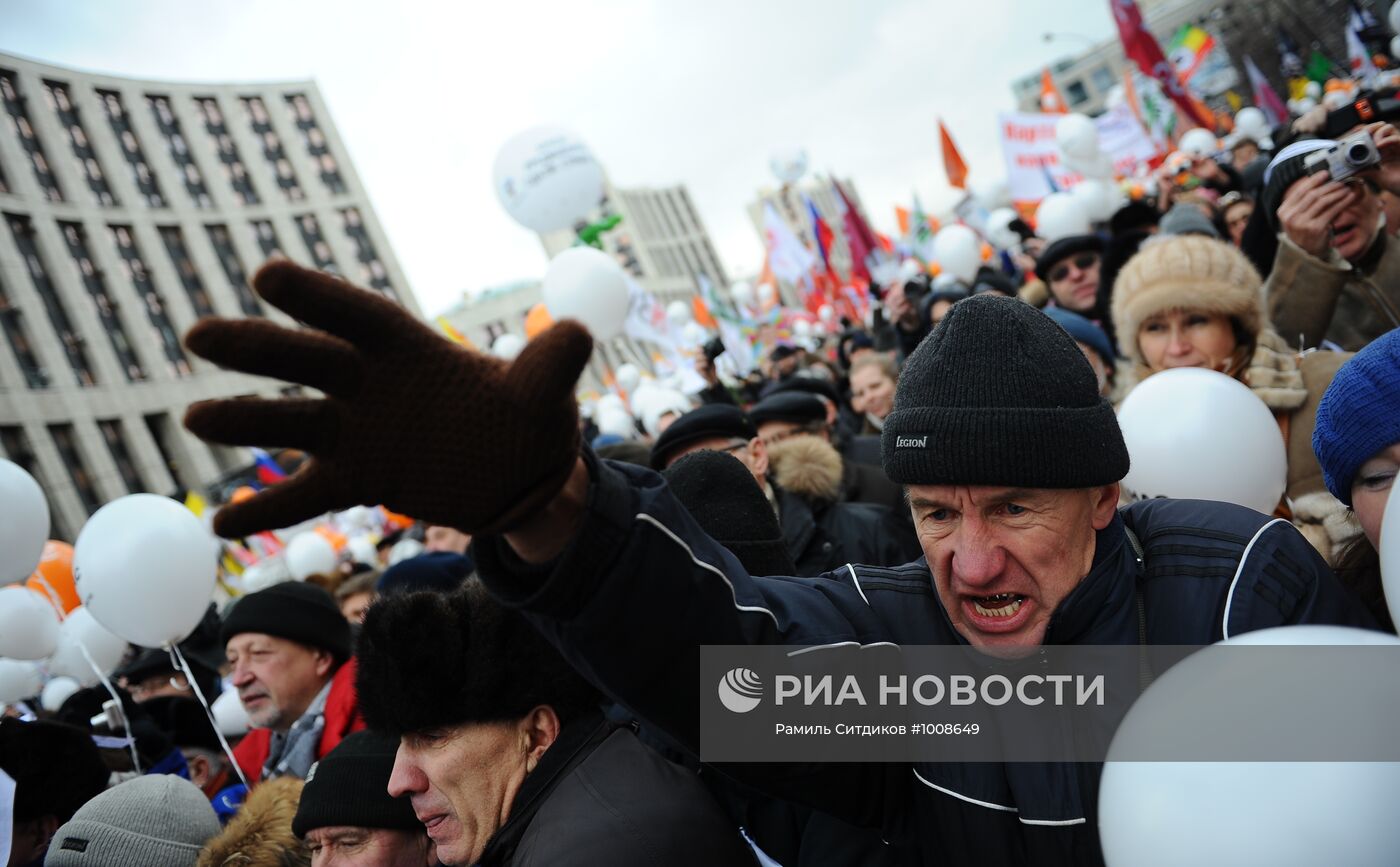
(807, 466)
(260, 835)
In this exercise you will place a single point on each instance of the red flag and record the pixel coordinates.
(860, 238)
(1142, 48)
(1051, 102)
(952, 160)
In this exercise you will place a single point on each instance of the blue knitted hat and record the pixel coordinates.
(1360, 414)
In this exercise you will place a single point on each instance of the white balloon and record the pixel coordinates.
(788, 165)
(613, 401)
(405, 549)
(28, 624)
(666, 401)
(229, 714)
(359, 518)
(990, 193)
(628, 377)
(1284, 814)
(1060, 215)
(678, 313)
(1196, 434)
(999, 228)
(767, 294)
(19, 680)
(1117, 95)
(1395, 41)
(693, 334)
(310, 554)
(1098, 166)
(362, 550)
(1394, 19)
(24, 523)
(588, 285)
(742, 293)
(81, 630)
(145, 567)
(56, 692)
(264, 574)
(616, 421)
(826, 313)
(1306, 104)
(1199, 143)
(1251, 122)
(1076, 136)
(802, 328)
(1099, 199)
(1312, 90)
(507, 346)
(958, 251)
(547, 179)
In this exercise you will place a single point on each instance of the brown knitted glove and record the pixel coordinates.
(410, 419)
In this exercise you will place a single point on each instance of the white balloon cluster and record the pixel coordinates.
(587, 285)
(958, 251)
(1096, 196)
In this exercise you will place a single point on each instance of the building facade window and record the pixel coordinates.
(169, 125)
(17, 448)
(1103, 78)
(160, 427)
(29, 139)
(184, 266)
(265, 236)
(134, 266)
(234, 170)
(372, 269)
(86, 158)
(316, 145)
(115, 437)
(310, 229)
(222, 240)
(273, 151)
(1076, 93)
(66, 442)
(141, 174)
(12, 321)
(102, 301)
(73, 347)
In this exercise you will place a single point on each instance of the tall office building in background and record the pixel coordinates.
(130, 209)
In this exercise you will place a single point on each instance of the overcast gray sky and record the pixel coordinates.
(663, 91)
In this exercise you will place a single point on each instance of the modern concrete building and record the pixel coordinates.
(132, 208)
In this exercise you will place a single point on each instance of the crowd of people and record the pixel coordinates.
(947, 472)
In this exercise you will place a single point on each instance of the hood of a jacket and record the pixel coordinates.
(808, 466)
(260, 833)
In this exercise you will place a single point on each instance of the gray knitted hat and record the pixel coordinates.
(157, 820)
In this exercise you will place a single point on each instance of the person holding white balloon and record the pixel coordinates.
(1190, 301)
(1357, 441)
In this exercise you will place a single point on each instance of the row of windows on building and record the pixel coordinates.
(134, 268)
(231, 162)
(16, 445)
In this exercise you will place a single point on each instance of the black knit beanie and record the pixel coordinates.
(295, 611)
(721, 495)
(349, 788)
(438, 571)
(56, 768)
(998, 394)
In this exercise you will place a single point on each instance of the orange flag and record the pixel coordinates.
(952, 160)
(901, 216)
(1051, 102)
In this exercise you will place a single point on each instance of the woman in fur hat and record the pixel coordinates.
(1192, 301)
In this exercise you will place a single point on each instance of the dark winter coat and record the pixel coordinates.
(1211, 570)
(598, 796)
(822, 536)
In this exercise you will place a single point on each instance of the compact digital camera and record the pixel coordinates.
(1345, 157)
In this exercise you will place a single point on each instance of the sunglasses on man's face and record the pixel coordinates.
(1083, 262)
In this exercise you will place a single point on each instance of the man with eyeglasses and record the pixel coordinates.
(1070, 268)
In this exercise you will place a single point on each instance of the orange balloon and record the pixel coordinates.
(336, 539)
(987, 252)
(537, 321)
(396, 521)
(241, 494)
(53, 580)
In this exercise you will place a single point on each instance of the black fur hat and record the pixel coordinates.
(431, 660)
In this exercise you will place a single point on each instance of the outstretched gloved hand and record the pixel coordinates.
(410, 420)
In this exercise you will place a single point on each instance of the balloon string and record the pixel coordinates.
(183, 666)
(121, 706)
(54, 598)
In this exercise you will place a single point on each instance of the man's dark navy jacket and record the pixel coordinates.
(641, 588)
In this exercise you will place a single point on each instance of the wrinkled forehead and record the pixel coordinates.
(982, 496)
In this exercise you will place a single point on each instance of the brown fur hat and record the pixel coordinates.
(1186, 272)
(261, 834)
(808, 466)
